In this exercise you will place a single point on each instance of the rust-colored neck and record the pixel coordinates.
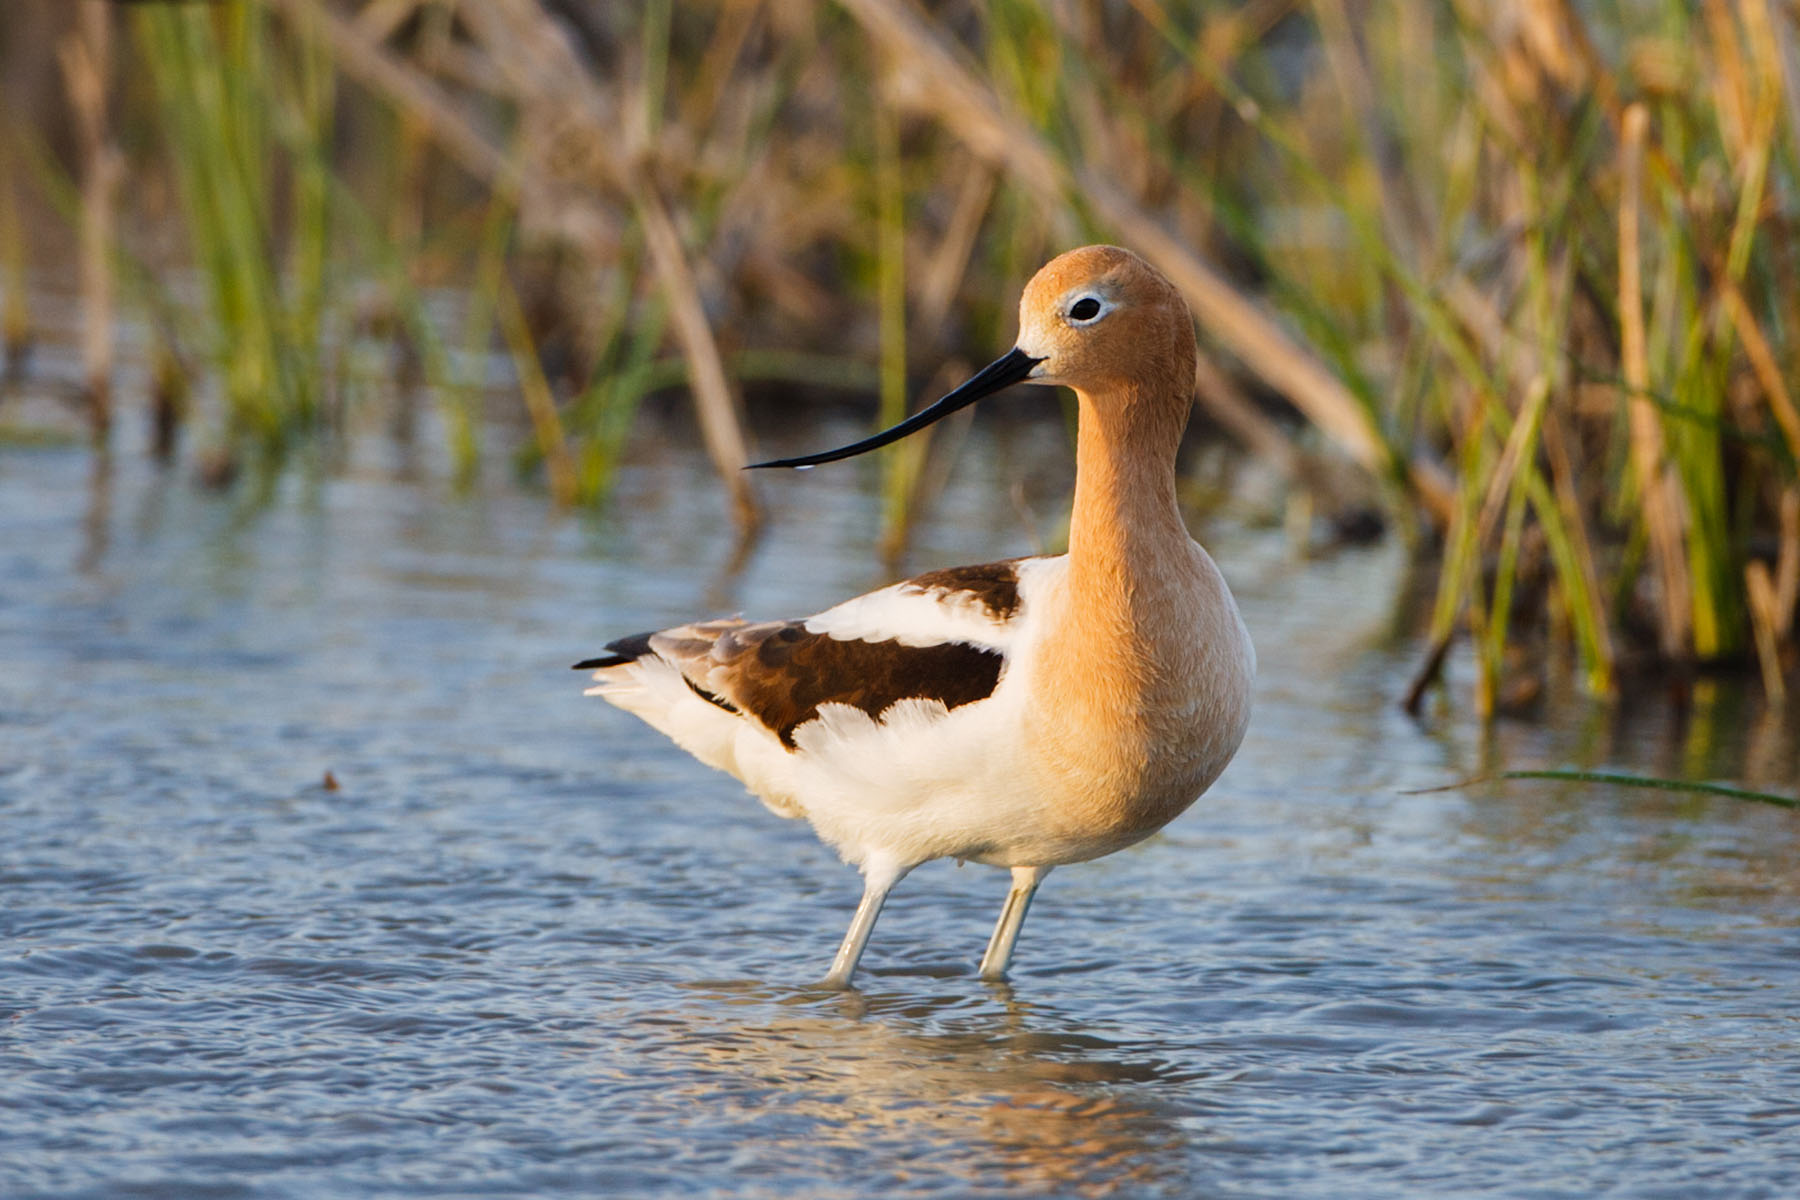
(1127, 543)
(1124, 670)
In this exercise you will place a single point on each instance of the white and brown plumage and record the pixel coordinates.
(1026, 713)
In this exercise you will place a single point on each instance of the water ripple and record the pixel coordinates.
(525, 949)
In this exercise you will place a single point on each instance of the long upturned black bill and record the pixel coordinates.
(1004, 371)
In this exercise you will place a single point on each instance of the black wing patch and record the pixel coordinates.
(623, 650)
(630, 649)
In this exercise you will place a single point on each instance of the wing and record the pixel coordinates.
(976, 606)
(942, 636)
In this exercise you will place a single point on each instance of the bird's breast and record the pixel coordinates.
(1134, 712)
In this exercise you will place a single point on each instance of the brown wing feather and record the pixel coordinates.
(995, 585)
(780, 674)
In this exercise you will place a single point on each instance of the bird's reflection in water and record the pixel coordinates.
(1006, 1092)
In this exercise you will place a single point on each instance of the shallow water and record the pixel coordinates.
(527, 948)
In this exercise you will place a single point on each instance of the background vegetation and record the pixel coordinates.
(1521, 273)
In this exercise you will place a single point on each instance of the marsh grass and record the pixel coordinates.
(1528, 266)
(15, 307)
(228, 98)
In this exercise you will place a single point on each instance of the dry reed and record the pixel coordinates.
(1532, 276)
(86, 57)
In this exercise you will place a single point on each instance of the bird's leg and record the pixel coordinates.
(878, 880)
(1025, 882)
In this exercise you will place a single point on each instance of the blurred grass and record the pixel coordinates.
(226, 98)
(1528, 264)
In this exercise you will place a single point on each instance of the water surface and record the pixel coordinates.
(525, 947)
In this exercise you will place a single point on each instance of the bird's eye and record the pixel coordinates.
(1084, 309)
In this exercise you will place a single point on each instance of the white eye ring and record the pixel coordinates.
(1086, 309)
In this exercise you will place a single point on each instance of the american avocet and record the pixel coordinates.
(1025, 713)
